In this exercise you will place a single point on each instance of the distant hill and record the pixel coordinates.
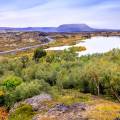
(74, 28)
(42, 29)
(61, 28)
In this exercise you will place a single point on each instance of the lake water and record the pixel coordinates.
(95, 45)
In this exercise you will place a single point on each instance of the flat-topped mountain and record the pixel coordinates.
(74, 28)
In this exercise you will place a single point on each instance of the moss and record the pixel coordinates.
(70, 97)
(105, 111)
(67, 97)
(24, 112)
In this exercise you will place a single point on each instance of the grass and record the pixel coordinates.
(68, 97)
(105, 110)
(77, 48)
(58, 41)
(100, 109)
(15, 45)
(64, 41)
(24, 112)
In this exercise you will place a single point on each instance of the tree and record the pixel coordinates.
(92, 73)
(39, 53)
(25, 90)
(24, 60)
(111, 81)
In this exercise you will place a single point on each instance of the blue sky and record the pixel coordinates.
(35, 13)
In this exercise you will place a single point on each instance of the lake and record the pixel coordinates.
(94, 45)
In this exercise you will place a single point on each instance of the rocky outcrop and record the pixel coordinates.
(21, 36)
(63, 112)
(35, 102)
(10, 37)
(12, 40)
(57, 111)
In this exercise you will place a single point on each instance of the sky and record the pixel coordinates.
(47, 13)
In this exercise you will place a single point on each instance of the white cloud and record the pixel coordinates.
(55, 13)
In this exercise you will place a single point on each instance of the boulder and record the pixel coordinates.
(35, 102)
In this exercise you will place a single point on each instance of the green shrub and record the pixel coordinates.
(24, 112)
(11, 82)
(26, 90)
(39, 53)
(24, 60)
(28, 74)
(96, 74)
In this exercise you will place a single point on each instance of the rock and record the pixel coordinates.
(64, 112)
(21, 36)
(59, 107)
(79, 106)
(56, 112)
(15, 40)
(44, 117)
(35, 102)
(37, 99)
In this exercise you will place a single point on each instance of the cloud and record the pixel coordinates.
(20, 4)
(101, 14)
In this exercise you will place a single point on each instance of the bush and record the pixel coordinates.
(24, 60)
(24, 112)
(28, 74)
(11, 82)
(46, 72)
(26, 90)
(96, 74)
(39, 53)
(1, 97)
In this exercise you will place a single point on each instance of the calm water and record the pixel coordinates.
(95, 45)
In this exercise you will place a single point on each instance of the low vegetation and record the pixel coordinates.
(77, 48)
(24, 112)
(65, 40)
(105, 110)
(3, 114)
(26, 76)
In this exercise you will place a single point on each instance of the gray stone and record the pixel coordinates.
(35, 102)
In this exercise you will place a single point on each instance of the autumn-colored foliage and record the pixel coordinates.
(3, 114)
